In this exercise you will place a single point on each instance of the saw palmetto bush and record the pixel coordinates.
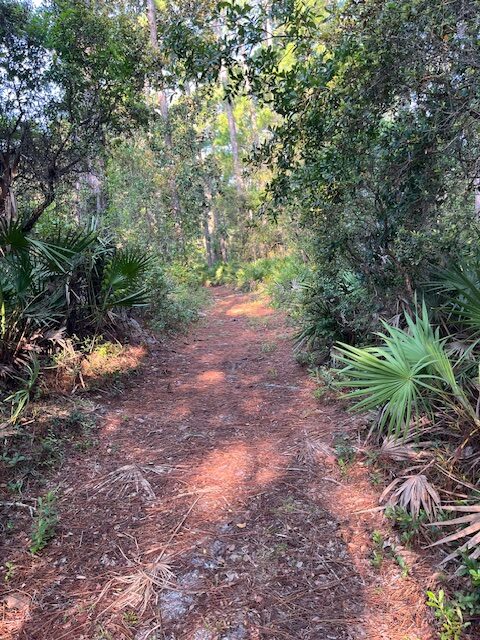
(334, 308)
(409, 374)
(34, 276)
(69, 284)
(424, 382)
(459, 289)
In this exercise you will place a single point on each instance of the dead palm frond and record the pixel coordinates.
(130, 475)
(402, 449)
(309, 447)
(472, 530)
(312, 448)
(413, 493)
(138, 589)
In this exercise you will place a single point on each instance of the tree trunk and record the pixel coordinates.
(8, 202)
(164, 111)
(232, 130)
(209, 250)
(221, 238)
(476, 186)
(268, 24)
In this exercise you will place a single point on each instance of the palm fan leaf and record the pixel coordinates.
(402, 449)
(413, 493)
(472, 531)
(464, 283)
(403, 375)
(122, 279)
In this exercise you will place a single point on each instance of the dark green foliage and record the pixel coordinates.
(80, 69)
(177, 297)
(377, 153)
(50, 289)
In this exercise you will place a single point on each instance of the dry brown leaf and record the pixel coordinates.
(401, 450)
(413, 493)
(472, 520)
(130, 475)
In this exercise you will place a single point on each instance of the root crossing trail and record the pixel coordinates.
(213, 507)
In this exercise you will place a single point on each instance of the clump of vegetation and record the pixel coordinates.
(410, 526)
(383, 548)
(448, 614)
(45, 521)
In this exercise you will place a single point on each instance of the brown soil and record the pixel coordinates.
(250, 511)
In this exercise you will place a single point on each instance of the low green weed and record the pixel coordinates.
(10, 569)
(130, 618)
(268, 347)
(469, 600)
(46, 520)
(52, 449)
(449, 615)
(385, 548)
(12, 459)
(378, 555)
(319, 392)
(20, 399)
(344, 452)
(409, 526)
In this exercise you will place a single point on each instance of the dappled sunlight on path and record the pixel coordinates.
(261, 539)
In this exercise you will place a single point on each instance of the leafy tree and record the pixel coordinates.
(377, 149)
(69, 73)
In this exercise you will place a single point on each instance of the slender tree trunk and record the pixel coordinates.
(215, 241)
(476, 186)
(164, 111)
(232, 130)
(220, 233)
(8, 202)
(268, 23)
(207, 237)
(253, 120)
(95, 184)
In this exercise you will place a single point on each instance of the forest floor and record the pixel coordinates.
(233, 519)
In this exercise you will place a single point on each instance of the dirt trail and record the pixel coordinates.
(249, 512)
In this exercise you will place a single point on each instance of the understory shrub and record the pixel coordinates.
(70, 284)
(422, 380)
(176, 300)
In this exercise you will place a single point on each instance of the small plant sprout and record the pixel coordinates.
(10, 569)
(20, 399)
(269, 347)
(46, 520)
(448, 614)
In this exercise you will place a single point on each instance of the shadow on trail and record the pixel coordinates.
(254, 547)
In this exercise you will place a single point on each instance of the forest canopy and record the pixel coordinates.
(324, 153)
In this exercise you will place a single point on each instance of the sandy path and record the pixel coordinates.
(248, 509)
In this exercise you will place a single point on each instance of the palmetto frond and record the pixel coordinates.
(402, 449)
(130, 477)
(413, 493)
(72, 279)
(462, 284)
(471, 520)
(122, 279)
(403, 375)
